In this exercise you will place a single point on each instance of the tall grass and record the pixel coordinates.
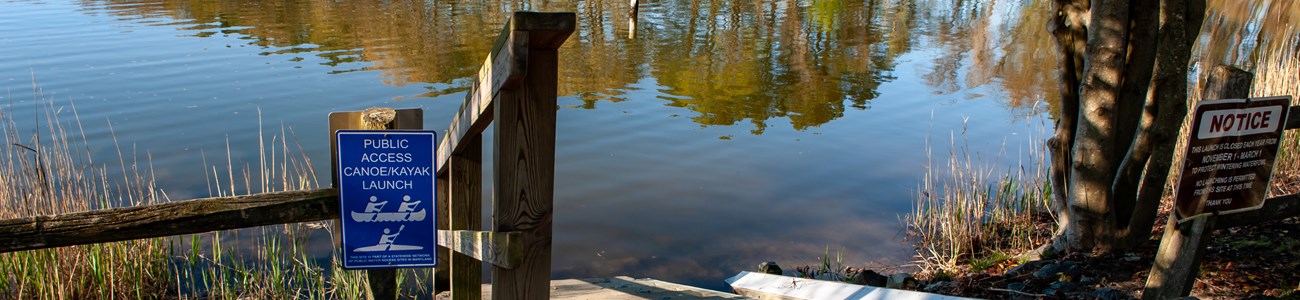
(53, 172)
(1275, 75)
(968, 211)
(48, 173)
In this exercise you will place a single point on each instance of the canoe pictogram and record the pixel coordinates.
(405, 211)
(388, 216)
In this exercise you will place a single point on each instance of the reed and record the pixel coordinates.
(968, 213)
(48, 172)
(1275, 75)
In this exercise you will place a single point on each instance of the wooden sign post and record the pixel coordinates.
(1183, 244)
(1229, 157)
(383, 282)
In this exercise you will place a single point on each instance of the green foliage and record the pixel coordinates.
(992, 259)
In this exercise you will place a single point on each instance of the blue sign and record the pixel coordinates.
(386, 198)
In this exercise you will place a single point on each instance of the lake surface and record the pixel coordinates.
(693, 142)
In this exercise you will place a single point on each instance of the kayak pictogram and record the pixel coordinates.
(386, 241)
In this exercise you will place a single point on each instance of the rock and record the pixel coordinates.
(1016, 286)
(871, 278)
(769, 267)
(1109, 294)
(1055, 271)
(1026, 267)
(901, 281)
(942, 286)
(1019, 287)
(1060, 288)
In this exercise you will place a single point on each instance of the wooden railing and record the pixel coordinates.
(516, 86)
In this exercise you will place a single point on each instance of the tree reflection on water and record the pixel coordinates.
(730, 61)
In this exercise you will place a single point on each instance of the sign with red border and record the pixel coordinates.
(1229, 156)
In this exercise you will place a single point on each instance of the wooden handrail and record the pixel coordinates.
(505, 65)
(517, 86)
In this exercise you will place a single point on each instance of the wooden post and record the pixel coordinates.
(1179, 257)
(383, 282)
(524, 166)
(631, 18)
(465, 212)
(1183, 244)
(412, 118)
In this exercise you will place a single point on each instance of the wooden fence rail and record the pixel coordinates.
(167, 219)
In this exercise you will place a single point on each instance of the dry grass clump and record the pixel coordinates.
(969, 215)
(48, 173)
(1275, 75)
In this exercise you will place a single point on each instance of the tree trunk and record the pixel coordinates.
(1069, 29)
(1093, 171)
(1180, 23)
(1137, 112)
(1123, 100)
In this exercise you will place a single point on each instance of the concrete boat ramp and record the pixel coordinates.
(622, 287)
(749, 286)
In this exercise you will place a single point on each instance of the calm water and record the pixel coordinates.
(710, 137)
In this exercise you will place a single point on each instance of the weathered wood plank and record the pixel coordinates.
(173, 218)
(465, 212)
(1275, 208)
(1293, 118)
(1178, 258)
(383, 284)
(406, 118)
(1227, 82)
(501, 249)
(503, 68)
(524, 173)
(442, 278)
(546, 30)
